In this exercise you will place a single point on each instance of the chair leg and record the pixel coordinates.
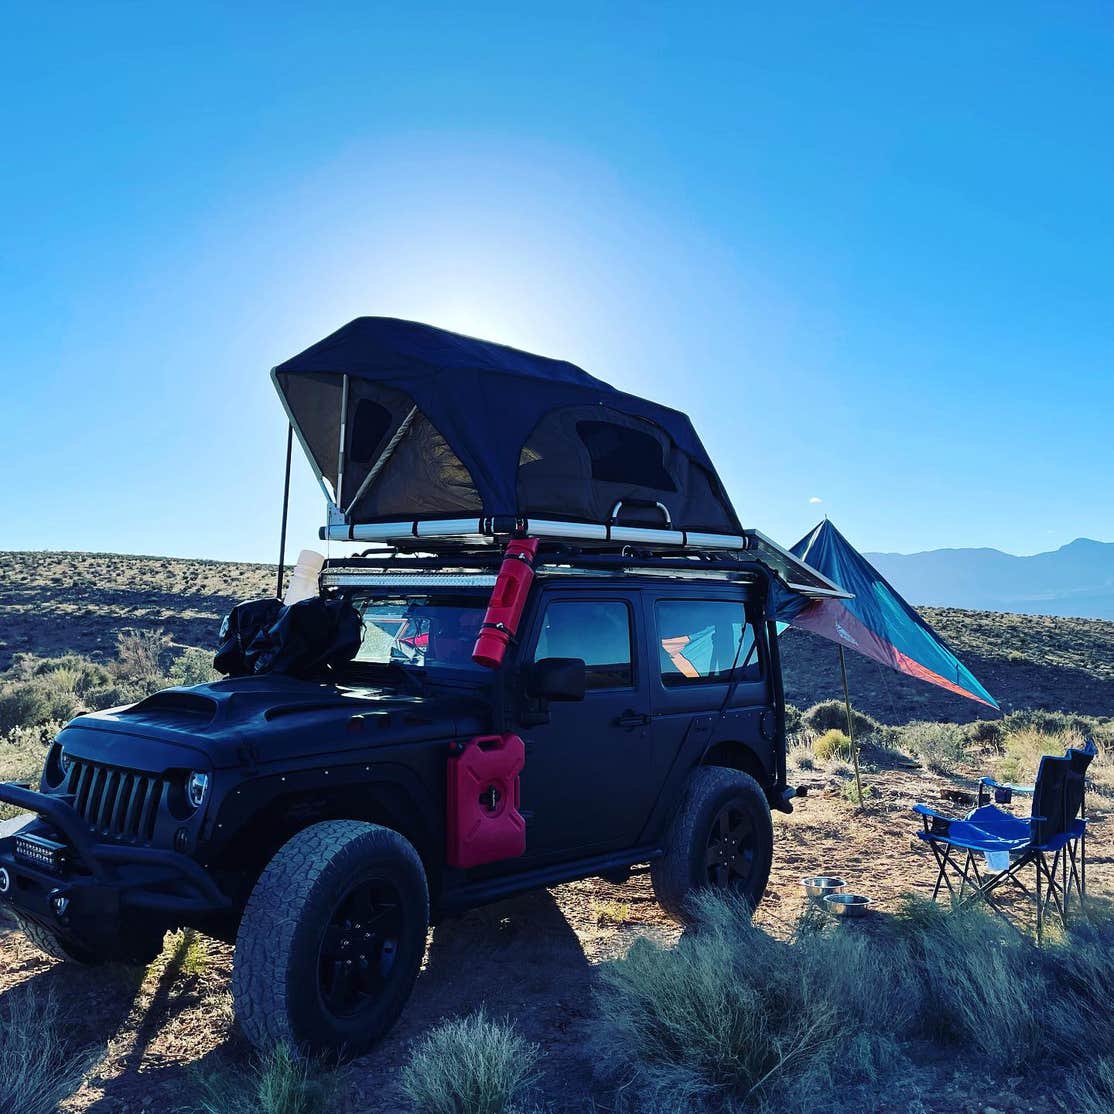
(1040, 925)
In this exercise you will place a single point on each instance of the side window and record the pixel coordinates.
(701, 640)
(597, 632)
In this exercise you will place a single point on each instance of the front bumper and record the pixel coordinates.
(101, 885)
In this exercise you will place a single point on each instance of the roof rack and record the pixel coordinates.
(472, 556)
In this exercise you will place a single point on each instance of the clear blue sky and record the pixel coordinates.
(869, 249)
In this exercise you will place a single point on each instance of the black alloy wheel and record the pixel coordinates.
(359, 948)
(731, 848)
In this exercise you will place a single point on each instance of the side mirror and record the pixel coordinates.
(558, 679)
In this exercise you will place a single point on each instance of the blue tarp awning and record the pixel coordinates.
(876, 621)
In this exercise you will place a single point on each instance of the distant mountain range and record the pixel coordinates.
(1076, 579)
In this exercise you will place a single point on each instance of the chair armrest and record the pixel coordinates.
(924, 810)
(992, 783)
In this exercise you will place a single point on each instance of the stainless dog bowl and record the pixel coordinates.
(847, 905)
(818, 886)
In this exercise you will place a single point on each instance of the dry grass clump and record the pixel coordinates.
(832, 744)
(279, 1082)
(801, 757)
(1024, 747)
(472, 1065)
(37, 1070)
(731, 1018)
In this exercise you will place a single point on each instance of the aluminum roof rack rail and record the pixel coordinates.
(458, 558)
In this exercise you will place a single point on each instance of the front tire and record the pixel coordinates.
(331, 940)
(721, 838)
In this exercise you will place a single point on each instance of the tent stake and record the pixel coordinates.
(285, 507)
(851, 726)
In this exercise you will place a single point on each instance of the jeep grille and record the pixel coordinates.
(114, 801)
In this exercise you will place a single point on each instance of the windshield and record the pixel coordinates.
(419, 631)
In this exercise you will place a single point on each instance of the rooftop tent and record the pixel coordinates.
(406, 421)
(875, 620)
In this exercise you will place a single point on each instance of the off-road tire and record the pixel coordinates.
(682, 869)
(49, 943)
(275, 982)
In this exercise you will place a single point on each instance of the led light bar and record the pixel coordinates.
(37, 851)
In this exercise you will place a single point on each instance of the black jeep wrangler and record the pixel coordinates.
(323, 822)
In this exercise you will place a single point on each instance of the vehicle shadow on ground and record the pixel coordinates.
(519, 959)
(93, 1002)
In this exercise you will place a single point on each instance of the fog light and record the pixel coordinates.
(182, 840)
(5, 880)
(197, 785)
(59, 903)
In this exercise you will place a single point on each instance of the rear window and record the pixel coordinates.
(705, 640)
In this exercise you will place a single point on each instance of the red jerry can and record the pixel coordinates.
(508, 598)
(483, 824)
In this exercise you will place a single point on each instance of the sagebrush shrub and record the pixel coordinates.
(831, 715)
(940, 746)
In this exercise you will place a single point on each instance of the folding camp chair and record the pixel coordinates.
(1052, 840)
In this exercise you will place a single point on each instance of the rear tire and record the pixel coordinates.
(331, 940)
(721, 837)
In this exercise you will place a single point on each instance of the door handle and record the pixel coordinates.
(630, 718)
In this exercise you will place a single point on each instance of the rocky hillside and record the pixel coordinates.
(51, 603)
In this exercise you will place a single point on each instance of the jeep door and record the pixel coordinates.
(708, 648)
(590, 780)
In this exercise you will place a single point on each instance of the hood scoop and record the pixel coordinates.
(173, 707)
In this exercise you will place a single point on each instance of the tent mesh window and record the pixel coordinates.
(624, 456)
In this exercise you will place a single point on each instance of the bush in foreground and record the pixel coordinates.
(37, 1071)
(731, 1019)
(280, 1082)
(473, 1065)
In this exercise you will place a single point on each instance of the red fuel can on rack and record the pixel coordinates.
(508, 598)
(483, 824)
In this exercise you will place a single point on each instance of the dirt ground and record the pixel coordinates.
(533, 959)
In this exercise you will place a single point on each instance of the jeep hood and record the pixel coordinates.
(271, 718)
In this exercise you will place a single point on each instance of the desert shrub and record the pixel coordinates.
(40, 700)
(472, 1065)
(939, 746)
(831, 715)
(279, 1082)
(986, 733)
(802, 758)
(730, 1016)
(37, 1070)
(1024, 746)
(832, 744)
(794, 719)
(140, 654)
(122, 692)
(193, 667)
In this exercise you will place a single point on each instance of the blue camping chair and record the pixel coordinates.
(1052, 840)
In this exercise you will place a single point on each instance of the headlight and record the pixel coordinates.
(197, 785)
(63, 762)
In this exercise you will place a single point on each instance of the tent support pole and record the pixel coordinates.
(285, 508)
(850, 726)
